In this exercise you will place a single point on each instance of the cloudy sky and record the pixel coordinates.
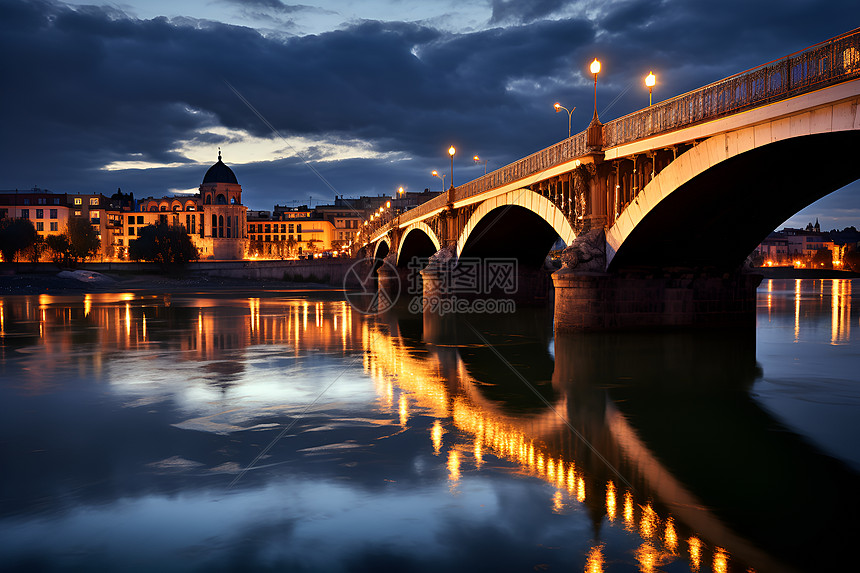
(355, 97)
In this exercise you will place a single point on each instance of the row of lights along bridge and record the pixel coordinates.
(650, 82)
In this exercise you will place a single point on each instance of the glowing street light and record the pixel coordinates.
(650, 81)
(451, 152)
(595, 69)
(400, 192)
(435, 173)
(558, 107)
(477, 159)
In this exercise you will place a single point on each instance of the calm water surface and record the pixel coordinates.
(285, 431)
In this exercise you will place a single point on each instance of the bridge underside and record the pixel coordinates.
(511, 232)
(716, 219)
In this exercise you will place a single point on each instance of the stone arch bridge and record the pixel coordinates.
(658, 209)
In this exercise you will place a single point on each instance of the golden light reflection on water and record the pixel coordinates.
(840, 311)
(594, 561)
(721, 560)
(436, 436)
(670, 537)
(649, 522)
(695, 553)
(610, 501)
(453, 465)
(797, 292)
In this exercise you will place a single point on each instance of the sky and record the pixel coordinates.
(324, 98)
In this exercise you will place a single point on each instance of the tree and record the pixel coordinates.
(34, 252)
(61, 248)
(163, 243)
(291, 245)
(823, 258)
(83, 240)
(15, 236)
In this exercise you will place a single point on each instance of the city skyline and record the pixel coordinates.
(354, 101)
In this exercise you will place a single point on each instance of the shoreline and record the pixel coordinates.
(54, 284)
(793, 273)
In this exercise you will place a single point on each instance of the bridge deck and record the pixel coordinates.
(835, 61)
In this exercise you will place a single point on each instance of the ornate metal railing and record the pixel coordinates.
(831, 62)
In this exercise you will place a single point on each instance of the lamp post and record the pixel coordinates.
(451, 152)
(477, 159)
(595, 69)
(558, 107)
(594, 133)
(650, 81)
(435, 173)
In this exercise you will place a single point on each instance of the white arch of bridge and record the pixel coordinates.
(841, 116)
(527, 199)
(422, 227)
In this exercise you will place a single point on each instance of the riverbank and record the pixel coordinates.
(793, 273)
(86, 281)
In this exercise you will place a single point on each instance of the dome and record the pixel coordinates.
(220, 173)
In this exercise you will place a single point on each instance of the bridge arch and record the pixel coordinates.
(524, 199)
(381, 249)
(713, 204)
(417, 240)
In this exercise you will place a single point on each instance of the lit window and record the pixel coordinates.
(94, 200)
(78, 201)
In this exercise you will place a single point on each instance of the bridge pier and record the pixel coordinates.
(603, 301)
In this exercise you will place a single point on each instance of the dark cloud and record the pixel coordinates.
(524, 11)
(89, 86)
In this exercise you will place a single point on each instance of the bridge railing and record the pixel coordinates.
(833, 61)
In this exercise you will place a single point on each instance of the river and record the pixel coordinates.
(286, 431)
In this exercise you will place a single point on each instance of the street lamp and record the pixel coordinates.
(451, 152)
(435, 173)
(595, 69)
(477, 159)
(400, 192)
(558, 107)
(650, 81)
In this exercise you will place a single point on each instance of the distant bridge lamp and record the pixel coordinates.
(650, 82)
(558, 107)
(477, 159)
(435, 173)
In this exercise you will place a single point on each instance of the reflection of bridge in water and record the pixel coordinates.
(644, 202)
(703, 473)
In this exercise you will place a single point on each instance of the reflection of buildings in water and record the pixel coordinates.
(709, 370)
(811, 298)
(92, 329)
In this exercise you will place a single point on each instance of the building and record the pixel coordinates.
(289, 232)
(214, 218)
(50, 213)
(790, 246)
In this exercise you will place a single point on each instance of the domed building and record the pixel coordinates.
(215, 219)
